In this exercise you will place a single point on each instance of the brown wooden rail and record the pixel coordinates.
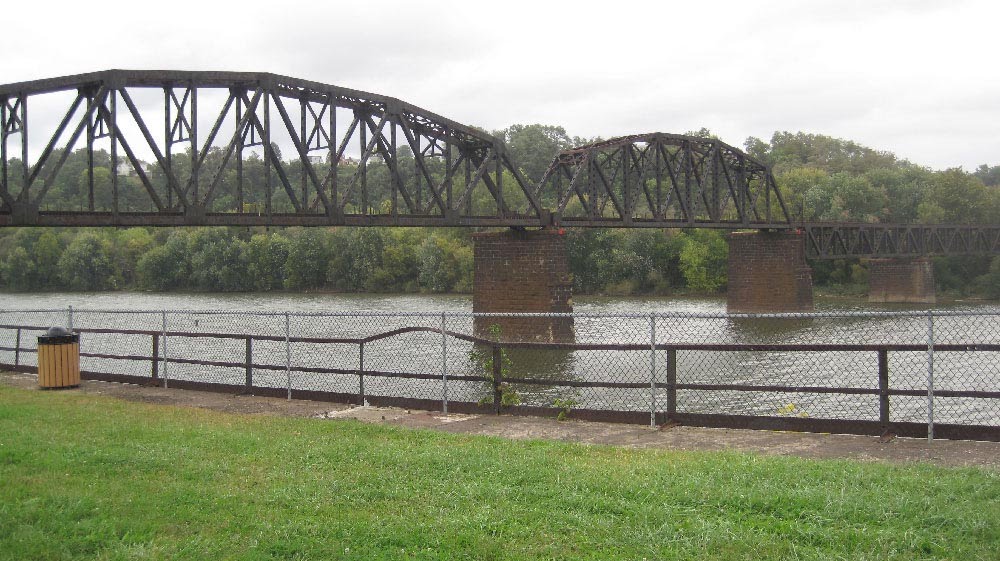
(670, 387)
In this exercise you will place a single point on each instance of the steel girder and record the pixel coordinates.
(839, 241)
(654, 180)
(661, 180)
(467, 163)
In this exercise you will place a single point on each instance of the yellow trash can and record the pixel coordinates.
(58, 359)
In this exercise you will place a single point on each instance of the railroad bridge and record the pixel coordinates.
(204, 149)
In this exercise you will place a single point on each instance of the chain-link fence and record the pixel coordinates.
(909, 373)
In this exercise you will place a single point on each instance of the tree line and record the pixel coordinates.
(821, 178)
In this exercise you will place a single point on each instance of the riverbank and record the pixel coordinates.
(946, 453)
(86, 476)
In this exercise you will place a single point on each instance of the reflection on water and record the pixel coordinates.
(422, 352)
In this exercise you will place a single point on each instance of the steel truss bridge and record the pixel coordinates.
(362, 159)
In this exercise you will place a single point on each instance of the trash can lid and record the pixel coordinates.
(57, 331)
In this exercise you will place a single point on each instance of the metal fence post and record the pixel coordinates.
(166, 375)
(288, 355)
(361, 373)
(444, 363)
(156, 356)
(17, 348)
(497, 378)
(69, 318)
(671, 384)
(249, 364)
(883, 389)
(930, 376)
(652, 370)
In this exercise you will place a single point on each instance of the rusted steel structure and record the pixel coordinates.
(661, 180)
(837, 240)
(363, 159)
(448, 161)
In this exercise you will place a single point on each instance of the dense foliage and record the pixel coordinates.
(821, 178)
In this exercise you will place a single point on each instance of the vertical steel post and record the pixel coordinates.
(156, 357)
(444, 363)
(248, 383)
(671, 384)
(90, 155)
(652, 370)
(497, 378)
(4, 187)
(69, 318)
(361, 373)
(25, 170)
(240, 203)
(113, 131)
(930, 376)
(167, 151)
(288, 355)
(166, 376)
(193, 134)
(883, 389)
(17, 348)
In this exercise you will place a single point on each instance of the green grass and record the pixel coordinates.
(86, 477)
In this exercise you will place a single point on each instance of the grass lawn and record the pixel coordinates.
(86, 477)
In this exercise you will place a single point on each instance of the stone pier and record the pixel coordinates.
(901, 280)
(523, 271)
(768, 273)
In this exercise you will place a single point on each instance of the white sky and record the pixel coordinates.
(916, 77)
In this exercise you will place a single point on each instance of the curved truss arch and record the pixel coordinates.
(661, 180)
(358, 158)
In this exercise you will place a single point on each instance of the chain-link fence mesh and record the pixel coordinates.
(939, 366)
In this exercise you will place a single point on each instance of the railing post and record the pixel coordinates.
(249, 364)
(497, 378)
(671, 384)
(166, 375)
(17, 348)
(930, 376)
(156, 356)
(69, 318)
(444, 363)
(652, 370)
(361, 373)
(288, 355)
(883, 389)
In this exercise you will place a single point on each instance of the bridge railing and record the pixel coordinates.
(934, 374)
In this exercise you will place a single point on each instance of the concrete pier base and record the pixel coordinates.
(768, 273)
(901, 280)
(519, 272)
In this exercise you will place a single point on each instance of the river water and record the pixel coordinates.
(423, 353)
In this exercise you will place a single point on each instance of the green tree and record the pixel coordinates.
(704, 260)
(308, 258)
(166, 267)
(86, 264)
(266, 257)
(18, 270)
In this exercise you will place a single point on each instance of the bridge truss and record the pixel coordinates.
(662, 181)
(347, 167)
(131, 149)
(840, 240)
(357, 159)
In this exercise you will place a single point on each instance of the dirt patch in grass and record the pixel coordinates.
(805, 445)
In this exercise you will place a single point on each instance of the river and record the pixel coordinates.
(421, 352)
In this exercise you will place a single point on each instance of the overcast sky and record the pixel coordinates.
(918, 78)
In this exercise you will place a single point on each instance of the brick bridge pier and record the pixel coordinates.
(519, 271)
(528, 271)
(903, 279)
(768, 273)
